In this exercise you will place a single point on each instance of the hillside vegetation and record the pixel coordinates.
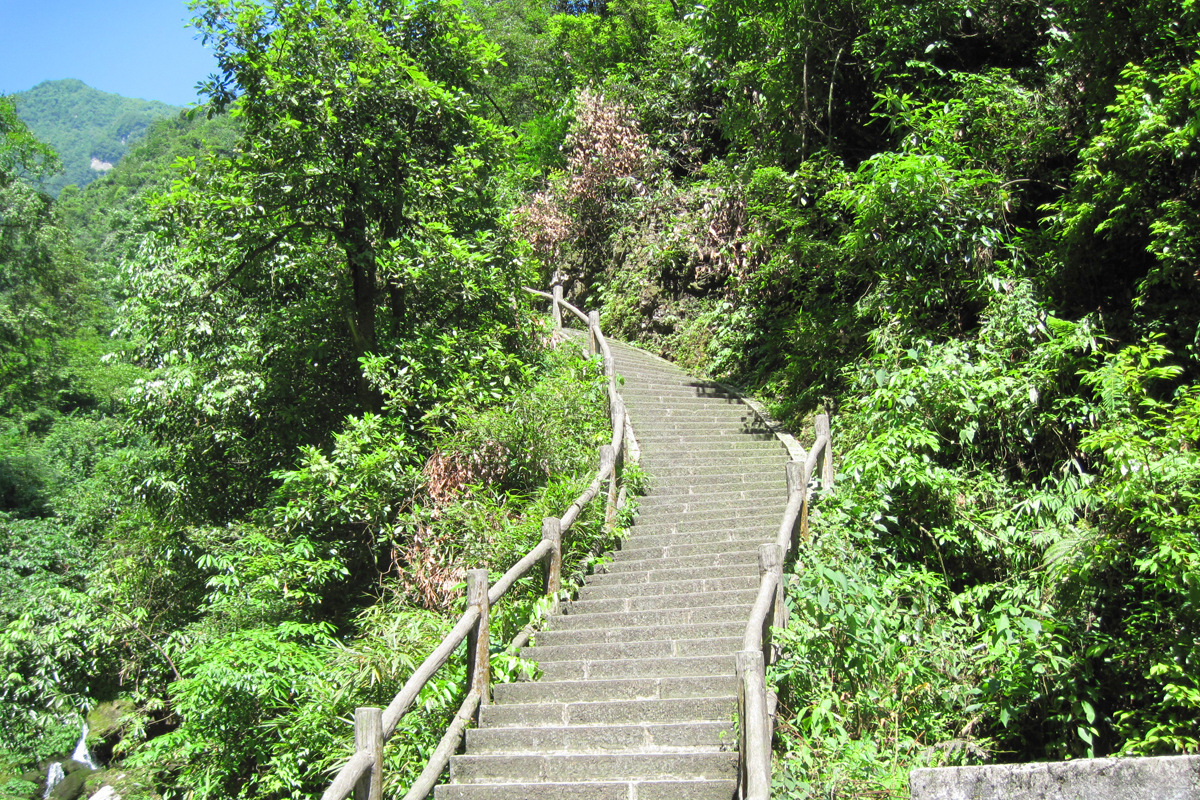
(90, 130)
(272, 384)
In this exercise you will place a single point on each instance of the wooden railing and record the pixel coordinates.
(755, 710)
(362, 774)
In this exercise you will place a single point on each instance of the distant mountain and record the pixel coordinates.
(91, 130)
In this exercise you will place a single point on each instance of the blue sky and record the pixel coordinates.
(135, 48)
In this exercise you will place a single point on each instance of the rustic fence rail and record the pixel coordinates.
(754, 701)
(362, 773)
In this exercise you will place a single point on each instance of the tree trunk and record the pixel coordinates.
(360, 259)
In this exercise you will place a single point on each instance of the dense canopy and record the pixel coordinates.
(271, 384)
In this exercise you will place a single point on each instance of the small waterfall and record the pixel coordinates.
(53, 778)
(81, 753)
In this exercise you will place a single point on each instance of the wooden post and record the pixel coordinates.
(616, 413)
(479, 666)
(556, 306)
(368, 736)
(797, 481)
(770, 559)
(756, 743)
(552, 532)
(795, 477)
(821, 426)
(593, 328)
(608, 460)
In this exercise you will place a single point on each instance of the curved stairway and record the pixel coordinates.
(638, 693)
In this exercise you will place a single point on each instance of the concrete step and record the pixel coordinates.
(667, 471)
(637, 571)
(737, 497)
(687, 406)
(684, 427)
(676, 667)
(643, 384)
(605, 635)
(688, 546)
(682, 400)
(704, 413)
(568, 768)
(742, 446)
(732, 497)
(670, 688)
(719, 789)
(630, 583)
(718, 436)
(654, 617)
(611, 651)
(758, 478)
(641, 373)
(707, 519)
(662, 472)
(718, 708)
(660, 602)
(672, 390)
(732, 483)
(680, 396)
(663, 475)
(692, 507)
(678, 442)
(646, 533)
(678, 737)
(722, 583)
(731, 516)
(729, 459)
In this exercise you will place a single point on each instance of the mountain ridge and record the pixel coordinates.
(89, 129)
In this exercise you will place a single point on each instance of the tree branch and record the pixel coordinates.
(252, 256)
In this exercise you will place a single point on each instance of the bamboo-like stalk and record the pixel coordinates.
(517, 571)
(416, 682)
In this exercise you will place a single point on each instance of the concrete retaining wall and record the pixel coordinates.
(1165, 778)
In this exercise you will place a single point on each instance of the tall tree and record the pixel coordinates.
(347, 256)
(359, 128)
(37, 266)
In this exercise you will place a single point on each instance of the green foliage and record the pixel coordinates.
(1128, 223)
(965, 229)
(261, 642)
(233, 684)
(1146, 541)
(379, 92)
(946, 223)
(110, 216)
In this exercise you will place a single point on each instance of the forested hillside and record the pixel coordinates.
(271, 384)
(90, 130)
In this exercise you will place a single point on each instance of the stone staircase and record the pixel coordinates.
(637, 693)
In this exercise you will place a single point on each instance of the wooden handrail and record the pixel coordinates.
(753, 703)
(349, 775)
(518, 570)
(424, 784)
(582, 316)
(403, 701)
(361, 773)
